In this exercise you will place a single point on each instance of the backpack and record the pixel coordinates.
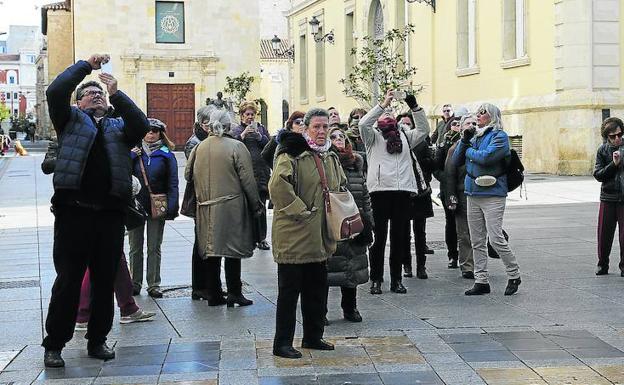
(515, 171)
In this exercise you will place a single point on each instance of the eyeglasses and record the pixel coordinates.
(482, 112)
(154, 130)
(337, 136)
(298, 122)
(446, 110)
(617, 134)
(94, 93)
(454, 124)
(471, 123)
(204, 123)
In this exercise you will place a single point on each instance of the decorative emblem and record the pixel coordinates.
(170, 24)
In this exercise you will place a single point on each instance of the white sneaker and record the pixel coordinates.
(81, 326)
(138, 316)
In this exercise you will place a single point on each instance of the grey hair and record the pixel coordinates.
(204, 113)
(312, 113)
(220, 122)
(495, 115)
(466, 117)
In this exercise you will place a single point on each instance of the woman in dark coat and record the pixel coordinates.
(293, 124)
(609, 172)
(348, 266)
(255, 136)
(161, 168)
(422, 206)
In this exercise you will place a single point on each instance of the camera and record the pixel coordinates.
(399, 95)
(330, 38)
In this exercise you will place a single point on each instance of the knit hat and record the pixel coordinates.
(155, 123)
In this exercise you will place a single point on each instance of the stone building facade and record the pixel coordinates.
(553, 67)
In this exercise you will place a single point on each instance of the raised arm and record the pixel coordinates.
(60, 91)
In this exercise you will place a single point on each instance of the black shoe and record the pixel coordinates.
(407, 272)
(602, 270)
(286, 352)
(512, 286)
(397, 287)
(101, 351)
(375, 287)
(421, 272)
(216, 300)
(317, 345)
(155, 293)
(352, 315)
(238, 299)
(479, 289)
(468, 275)
(264, 245)
(136, 291)
(201, 294)
(325, 321)
(453, 264)
(428, 250)
(53, 359)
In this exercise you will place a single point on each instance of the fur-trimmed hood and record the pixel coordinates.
(292, 144)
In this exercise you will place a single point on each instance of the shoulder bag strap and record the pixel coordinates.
(321, 171)
(144, 174)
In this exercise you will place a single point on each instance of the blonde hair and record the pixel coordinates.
(247, 106)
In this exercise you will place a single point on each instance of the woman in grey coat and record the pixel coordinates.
(348, 266)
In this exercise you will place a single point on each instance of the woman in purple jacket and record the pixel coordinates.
(161, 167)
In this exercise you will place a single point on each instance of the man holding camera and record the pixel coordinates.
(92, 188)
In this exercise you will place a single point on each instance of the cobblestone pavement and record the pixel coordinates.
(565, 325)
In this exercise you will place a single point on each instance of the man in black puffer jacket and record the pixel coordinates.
(92, 188)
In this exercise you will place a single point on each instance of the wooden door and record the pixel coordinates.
(174, 104)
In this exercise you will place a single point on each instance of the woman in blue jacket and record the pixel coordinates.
(161, 168)
(484, 151)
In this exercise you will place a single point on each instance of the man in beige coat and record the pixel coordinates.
(227, 201)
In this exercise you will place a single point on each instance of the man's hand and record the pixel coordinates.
(617, 157)
(96, 60)
(467, 135)
(111, 83)
(387, 99)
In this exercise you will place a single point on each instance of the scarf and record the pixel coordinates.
(391, 134)
(315, 147)
(346, 156)
(149, 148)
(200, 133)
(481, 130)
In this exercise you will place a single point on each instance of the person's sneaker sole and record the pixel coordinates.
(130, 321)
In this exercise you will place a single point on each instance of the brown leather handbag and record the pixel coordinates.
(158, 202)
(342, 214)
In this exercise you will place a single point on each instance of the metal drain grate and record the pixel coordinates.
(186, 291)
(18, 284)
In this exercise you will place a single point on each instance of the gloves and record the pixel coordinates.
(365, 238)
(411, 101)
(467, 136)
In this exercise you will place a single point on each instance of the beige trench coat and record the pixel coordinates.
(227, 197)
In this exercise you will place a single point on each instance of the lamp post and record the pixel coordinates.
(276, 44)
(432, 3)
(328, 37)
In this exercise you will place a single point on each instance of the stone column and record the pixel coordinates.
(587, 71)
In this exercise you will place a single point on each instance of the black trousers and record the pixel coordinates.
(232, 275)
(392, 207)
(199, 272)
(83, 238)
(419, 226)
(310, 281)
(450, 233)
(348, 302)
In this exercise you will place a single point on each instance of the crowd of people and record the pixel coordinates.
(114, 169)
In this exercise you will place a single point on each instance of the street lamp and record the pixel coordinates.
(289, 53)
(328, 37)
(432, 3)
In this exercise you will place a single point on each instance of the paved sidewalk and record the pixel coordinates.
(565, 325)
